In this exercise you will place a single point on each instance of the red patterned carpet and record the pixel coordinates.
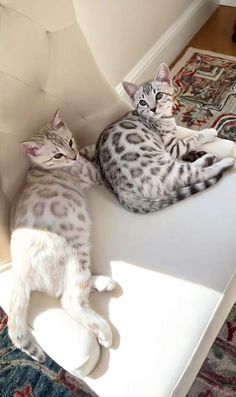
(205, 91)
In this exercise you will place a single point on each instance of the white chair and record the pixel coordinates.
(175, 269)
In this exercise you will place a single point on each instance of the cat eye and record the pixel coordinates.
(70, 142)
(58, 155)
(142, 102)
(159, 95)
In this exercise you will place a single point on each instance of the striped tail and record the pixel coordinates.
(17, 323)
(144, 205)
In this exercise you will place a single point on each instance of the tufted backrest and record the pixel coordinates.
(45, 64)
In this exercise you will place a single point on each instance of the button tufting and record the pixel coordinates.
(41, 89)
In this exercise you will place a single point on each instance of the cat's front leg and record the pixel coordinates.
(179, 147)
(94, 174)
(183, 132)
(199, 138)
(90, 172)
(88, 152)
(221, 148)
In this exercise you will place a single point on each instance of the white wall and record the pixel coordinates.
(121, 32)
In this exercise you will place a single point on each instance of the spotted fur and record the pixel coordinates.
(149, 174)
(50, 235)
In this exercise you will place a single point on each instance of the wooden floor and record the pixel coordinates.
(216, 34)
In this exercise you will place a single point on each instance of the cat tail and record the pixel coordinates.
(144, 205)
(17, 322)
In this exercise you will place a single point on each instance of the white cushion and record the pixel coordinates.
(177, 283)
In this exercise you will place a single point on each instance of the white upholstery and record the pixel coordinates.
(175, 269)
(45, 64)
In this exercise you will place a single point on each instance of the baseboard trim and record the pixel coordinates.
(171, 43)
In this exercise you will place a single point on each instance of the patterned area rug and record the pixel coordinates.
(205, 86)
(205, 90)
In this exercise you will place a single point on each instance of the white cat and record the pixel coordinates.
(50, 236)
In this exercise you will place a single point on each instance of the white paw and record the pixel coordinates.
(226, 163)
(212, 131)
(205, 160)
(209, 134)
(105, 342)
(208, 159)
(104, 334)
(104, 284)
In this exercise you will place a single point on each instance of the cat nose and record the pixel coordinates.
(72, 157)
(154, 110)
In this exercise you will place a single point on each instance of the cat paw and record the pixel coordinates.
(206, 160)
(193, 156)
(103, 332)
(103, 283)
(105, 337)
(209, 134)
(226, 163)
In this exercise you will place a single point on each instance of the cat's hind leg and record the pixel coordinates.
(75, 302)
(17, 321)
(206, 160)
(193, 156)
(194, 173)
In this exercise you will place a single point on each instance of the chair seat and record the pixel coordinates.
(176, 285)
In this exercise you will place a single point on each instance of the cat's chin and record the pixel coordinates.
(154, 116)
(161, 116)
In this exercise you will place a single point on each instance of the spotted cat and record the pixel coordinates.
(50, 236)
(139, 156)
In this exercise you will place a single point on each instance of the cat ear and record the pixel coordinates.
(163, 74)
(32, 148)
(130, 88)
(58, 121)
